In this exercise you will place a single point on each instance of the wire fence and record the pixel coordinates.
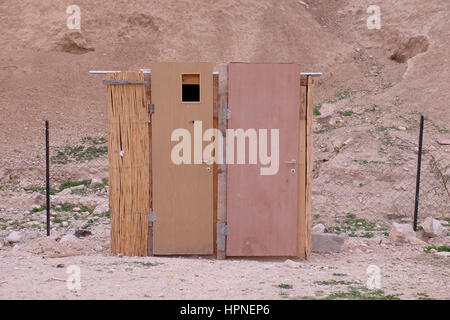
(79, 178)
(376, 176)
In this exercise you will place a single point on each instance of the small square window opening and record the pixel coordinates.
(190, 88)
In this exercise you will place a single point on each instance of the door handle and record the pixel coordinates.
(293, 161)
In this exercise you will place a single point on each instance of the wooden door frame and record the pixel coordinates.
(305, 165)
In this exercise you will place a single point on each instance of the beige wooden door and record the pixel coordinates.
(182, 194)
(262, 210)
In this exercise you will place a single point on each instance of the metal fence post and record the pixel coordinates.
(47, 174)
(419, 165)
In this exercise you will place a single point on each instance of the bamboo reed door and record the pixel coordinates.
(182, 94)
(129, 157)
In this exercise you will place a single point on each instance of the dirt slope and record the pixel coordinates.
(44, 66)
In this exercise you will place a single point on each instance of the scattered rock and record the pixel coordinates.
(74, 42)
(66, 192)
(4, 176)
(67, 238)
(417, 241)
(401, 233)
(327, 110)
(443, 254)
(433, 228)
(14, 237)
(304, 4)
(319, 228)
(25, 184)
(76, 209)
(327, 242)
(82, 233)
(65, 223)
(347, 142)
(102, 207)
(443, 142)
(291, 264)
(95, 181)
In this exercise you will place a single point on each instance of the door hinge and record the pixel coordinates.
(226, 230)
(151, 108)
(227, 114)
(222, 232)
(152, 216)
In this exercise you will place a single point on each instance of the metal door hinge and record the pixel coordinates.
(227, 114)
(226, 230)
(151, 108)
(152, 216)
(222, 232)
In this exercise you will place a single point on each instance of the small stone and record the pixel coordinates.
(443, 142)
(346, 142)
(401, 233)
(67, 238)
(65, 223)
(443, 254)
(291, 264)
(95, 181)
(417, 241)
(76, 209)
(14, 237)
(319, 228)
(327, 110)
(82, 233)
(433, 228)
(101, 208)
(327, 242)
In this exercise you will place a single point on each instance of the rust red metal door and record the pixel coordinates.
(262, 210)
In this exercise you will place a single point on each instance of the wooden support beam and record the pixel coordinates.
(304, 167)
(309, 163)
(215, 165)
(222, 168)
(148, 96)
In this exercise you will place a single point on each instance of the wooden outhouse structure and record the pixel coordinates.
(160, 207)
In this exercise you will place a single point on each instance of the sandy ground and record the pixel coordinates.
(405, 273)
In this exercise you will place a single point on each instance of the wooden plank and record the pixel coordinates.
(215, 166)
(262, 210)
(182, 194)
(306, 80)
(148, 95)
(302, 177)
(191, 78)
(309, 163)
(128, 156)
(222, 168)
